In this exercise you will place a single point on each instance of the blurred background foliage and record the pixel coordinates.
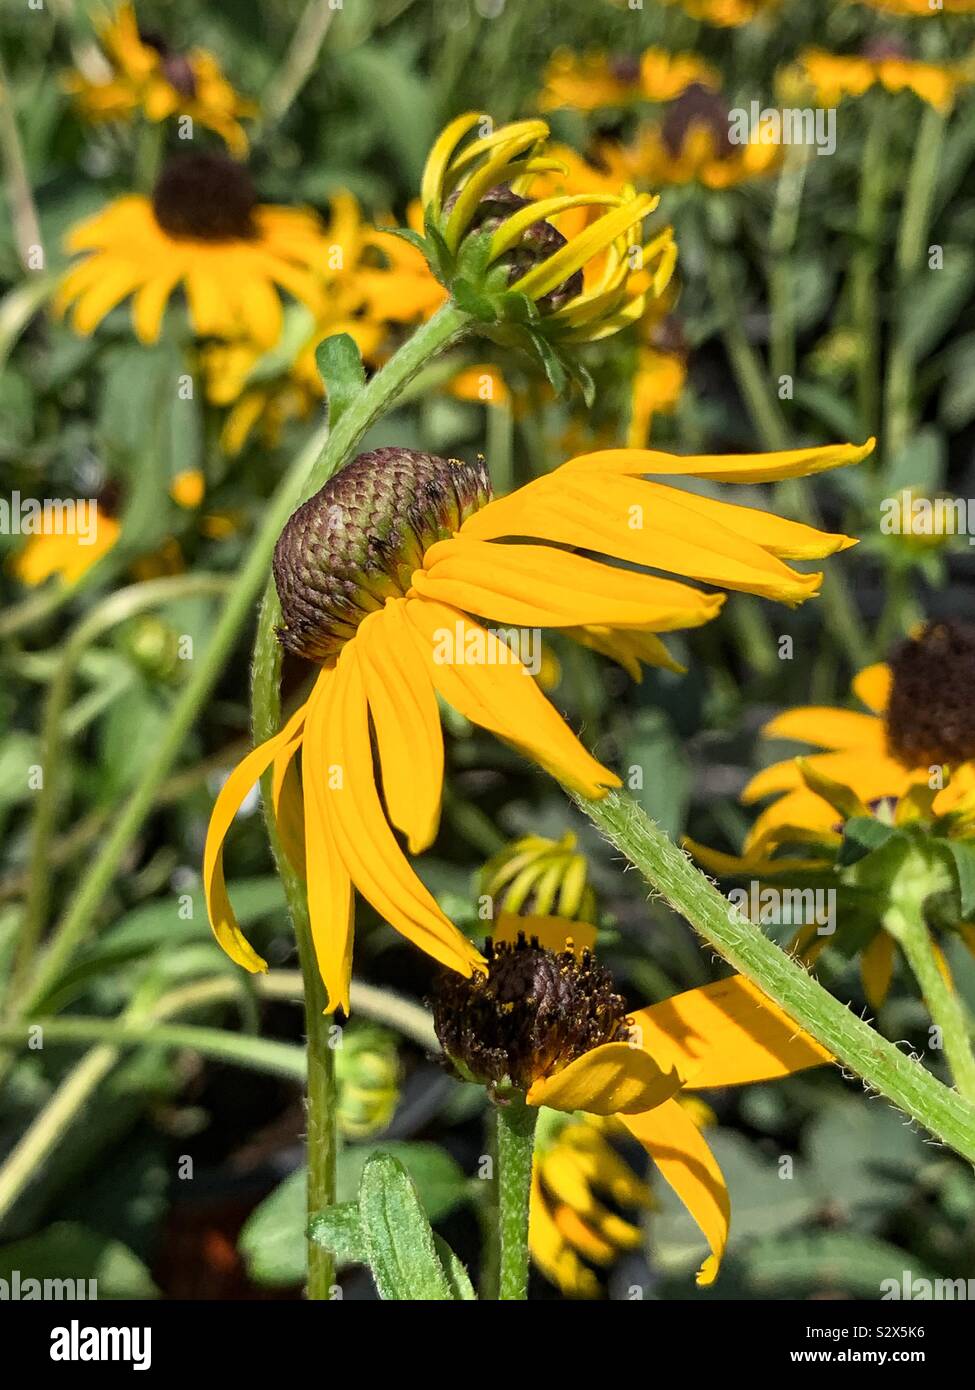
(174, 1169)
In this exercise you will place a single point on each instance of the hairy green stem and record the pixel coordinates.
(515, 1155)
(907, 925)
(940, 1110)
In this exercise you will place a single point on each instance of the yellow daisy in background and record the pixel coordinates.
(67, 556)
(142, 72)
(591, 81)
(691, 144)
(396, 283)
(379, 575)
(909, 762)
(203, 231)
(545, 1024)
(921, 9)
(882, 63)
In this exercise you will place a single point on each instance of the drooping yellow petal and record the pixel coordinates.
(286, 800)
(407, 723)
(493, 689)
(612, 1079)
(770, 467)
(554, 933)
(872, 686)
(877, 968)
(726, 1034)
(752, 865)
(228, 803)
(828, 727)
(543, 278)
(871, 775)
(538, 586)
(362, 835)
(602, 1165)
(685, 1160)
(582, 1237)
(431, 184)
(552, 1252)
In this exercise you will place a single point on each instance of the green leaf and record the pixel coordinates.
(963, 856)
(340, 364)
(469, 298)
(402, 1255)
(440, 1180)
(340, 1230)
(272, 1241)
(849, 1261)
(861, 836)
(68, 1250)
(456, 1272)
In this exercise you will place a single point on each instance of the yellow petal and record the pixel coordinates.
(583, 247)
(551, 1251)
(431, 184)
(362, 835)
(286, 800)
(613, 1079)
(828, 728)
(872, 686)
(407, 723)
(225, 808)
(539, 586)
(554, 933)
(877, 968)
(727, 468)
(498, 694)
(726, 1034)
(685, 1160)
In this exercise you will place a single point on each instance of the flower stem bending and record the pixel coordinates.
(515, 1154)
(940, 1110)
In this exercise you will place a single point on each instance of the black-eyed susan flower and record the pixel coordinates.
(204, 231)
(143, 72)
(905, 768)
(382, 577)
(545, 1025)
(501, 253)
(591, 81)
(882, 63)
(691, 143)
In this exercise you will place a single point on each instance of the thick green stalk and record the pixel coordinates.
(116, 608)
(941, 1111)
(749, 370)
(912, 236)
(782, 239)
(446, 328)
(515, 1154)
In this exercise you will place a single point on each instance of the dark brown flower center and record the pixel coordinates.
(883, 47)
(177, 68)
(537, 243)
(697, 106)
(931, 714)
(205, 197)
(532, 1013)
(358, 541)
(626, 68)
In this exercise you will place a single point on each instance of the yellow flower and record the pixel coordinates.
(143, 73)
(393, 277)
(204, 231)
(501, 254)
(909, 761)
(727, 14)
(657, 385)
(539, 876)
(378, 587)
(544, 1028)
(589, 81)
(884, 63)
(921, 9)
(68, 556)
(691, 144)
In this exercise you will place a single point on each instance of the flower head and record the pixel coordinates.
(145, 72)
(204, 230)
(384, 576)
(883, 63)
(544, 1025)
(728, 14)
(591, 81)
(501, 253)
(539, 876)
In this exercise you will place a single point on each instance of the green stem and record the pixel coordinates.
(23, 213)
(299, 62)
(941, 1111)
(440, 333)
(515, 1153)
(746, 364)
(117, 608)
(915, 218)
(908, 927)
(864, 265)
(782, 239)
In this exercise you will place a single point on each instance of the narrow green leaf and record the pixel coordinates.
(456, 1272)
(963, 855)
(339, 1229)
